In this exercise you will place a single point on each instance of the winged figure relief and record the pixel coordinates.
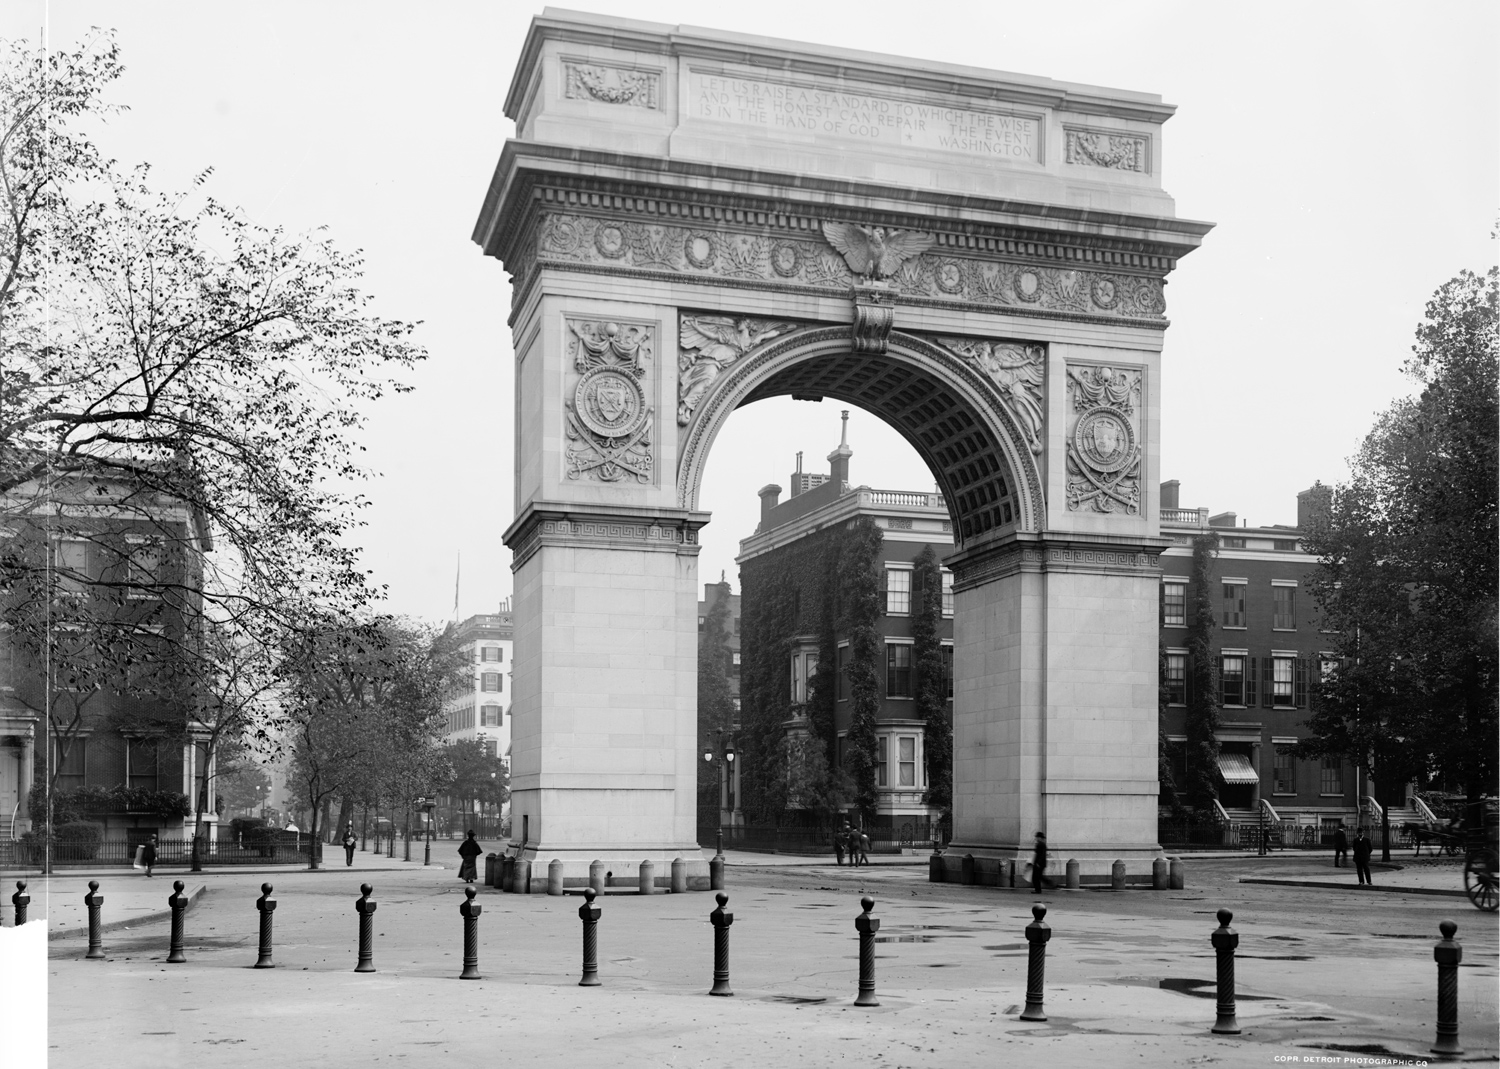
(873, 251)
(1018, 372)
(709, 344)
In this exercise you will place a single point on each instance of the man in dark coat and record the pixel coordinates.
(1039, 864)
(350, 842)
(1362, 847)
(469, 849)
(1340, 848)
(838, 845)
(148, 854)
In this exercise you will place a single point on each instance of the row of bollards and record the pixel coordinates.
(1448, 953)
(513, 875)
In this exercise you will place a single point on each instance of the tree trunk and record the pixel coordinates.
(346, 816)
(327, 805)
(312, 831)
(364, 829)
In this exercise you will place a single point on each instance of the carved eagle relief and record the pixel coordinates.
(875, 252)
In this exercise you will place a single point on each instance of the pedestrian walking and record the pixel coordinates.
(864, 849)
(148, 854)
(350, 842)
(469, 849)
(851, 845)
(838, 846)
(1039, 864)
(1340, 848)
(1362, 847)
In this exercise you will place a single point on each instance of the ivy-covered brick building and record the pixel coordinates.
(847, 635)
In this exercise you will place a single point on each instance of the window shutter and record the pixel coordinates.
(1250, 670)
(1161, 605)
(1268, 682)
(1220, 687)
(1300, 684)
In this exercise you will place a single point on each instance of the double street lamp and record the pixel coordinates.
(720, 757)
(427, 803)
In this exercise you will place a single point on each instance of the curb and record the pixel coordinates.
(1359, 887)
(223, 870)
(114, 926)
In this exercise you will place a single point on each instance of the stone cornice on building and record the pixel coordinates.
(1022, 551)
(589, 526)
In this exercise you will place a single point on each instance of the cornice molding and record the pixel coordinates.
(602, 526)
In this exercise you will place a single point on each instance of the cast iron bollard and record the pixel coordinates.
(20, 900)
(679, 876)
(1447, 953)
(470, 914)
(95, 901)
(867, 926)
(596, 876)
(647, 882)
(555, 877)
(589, 914)
(489, 870)
(178, 903)
(1008, 877)
(1072, 870)
(1159, 874)
(1225, 939)
(1117, 876)
(1175, 879)
(716, 873)
(935, 872)
(366, 910)
(267, 906)
(1037, 934)
(721, 922)
(507, 873)
(966, 870)
(520, 883)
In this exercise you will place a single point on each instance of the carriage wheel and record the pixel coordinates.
(1479, 880)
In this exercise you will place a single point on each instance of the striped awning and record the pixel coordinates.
(1236, 768)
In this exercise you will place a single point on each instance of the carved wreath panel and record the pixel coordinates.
(608, 416)
(612, 85)
(1103, 442)
(624, 245)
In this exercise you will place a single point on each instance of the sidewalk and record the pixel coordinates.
(62, 908)
(1445, 878)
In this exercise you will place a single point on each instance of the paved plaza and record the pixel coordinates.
(1334, 972)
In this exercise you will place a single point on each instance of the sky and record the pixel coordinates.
(1349, 155)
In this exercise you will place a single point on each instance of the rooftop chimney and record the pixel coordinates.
(1169, 494)
(838, 460)
(770, 494)
(1313, 504)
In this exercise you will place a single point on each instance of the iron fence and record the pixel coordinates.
(170, 853)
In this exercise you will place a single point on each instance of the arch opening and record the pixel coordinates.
(948, 412)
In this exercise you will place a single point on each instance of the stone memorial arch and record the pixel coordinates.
(696, 220)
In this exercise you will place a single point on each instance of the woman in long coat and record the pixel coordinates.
(469, 849)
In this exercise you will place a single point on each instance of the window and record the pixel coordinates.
(1174, 604)
(1283, 608)
(948, 669)
(804, 668)
(906, 761)
(701, 621)
(490, 716)
(1234, 604)
(142, 760)
(734, 663)
(1283, 677)
(736, 706)
(143, 568)
(881, 742)
(489, 682)
(1234, 543)
(842, 679)
(71, 562)
(491, 748)
(492, 653)
(1284, 773)
(947, 593)
(736, 625)
(1232, 680)
(897, 670)
(71, 763)
(897, 591)
(1284, 545)
(1331, 776)
(1176, 679)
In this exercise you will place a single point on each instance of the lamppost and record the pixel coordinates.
(720, 758)
(427, 804)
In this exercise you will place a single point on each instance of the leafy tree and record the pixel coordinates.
(808, 781)
(1202, 719)
(477, 777)
(1165, 777)
(715, 698)
(861, 603)
(1407, 570)
(932, 704)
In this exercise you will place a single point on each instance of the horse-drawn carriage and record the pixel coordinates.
(1481, 855)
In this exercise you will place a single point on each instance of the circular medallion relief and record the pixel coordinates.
(610, 241)
(609, 402)
(1028, 285)
(1104, 439)
(699, 250)
(1104, 293)
(786, 259)
(949, 277)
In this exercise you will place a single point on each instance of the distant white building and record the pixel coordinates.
(482, 710)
